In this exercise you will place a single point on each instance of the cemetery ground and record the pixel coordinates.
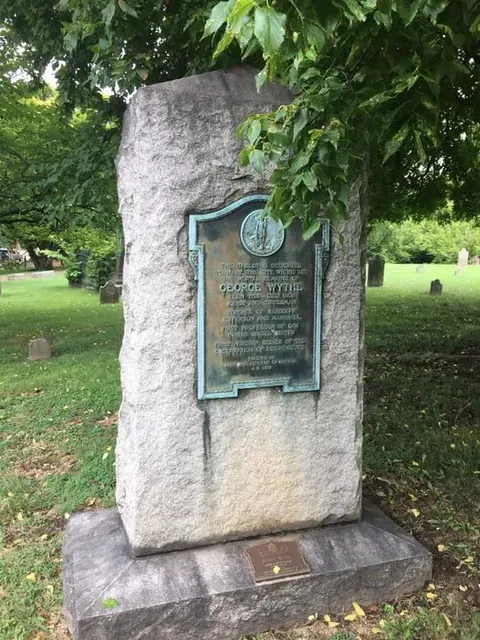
(421, 446)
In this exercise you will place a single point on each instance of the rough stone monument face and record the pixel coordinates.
(39, 349)
(376, 271)
(242, 397)
(257, 463)
(109, 293)
(462, 258)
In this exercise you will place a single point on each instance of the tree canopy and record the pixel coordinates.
(54, 168)
(387, 87)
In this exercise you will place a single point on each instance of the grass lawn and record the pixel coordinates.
(421, 451)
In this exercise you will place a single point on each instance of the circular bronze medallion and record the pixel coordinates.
(261, 235)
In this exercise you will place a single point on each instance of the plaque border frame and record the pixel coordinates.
(197, 260)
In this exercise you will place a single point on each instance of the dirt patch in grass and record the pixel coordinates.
(109, 420)
(16, 535)
(57, 627)
(40, 460)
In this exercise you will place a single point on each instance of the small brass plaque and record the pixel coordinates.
(275, 560)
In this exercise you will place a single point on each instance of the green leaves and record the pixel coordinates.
(269, 28)
(254, 131)
(218, 17)
(352, 9)
(394, 144)
(314, 34)
(257, 160)
(109, 12)
(311, 228)
(126, 8)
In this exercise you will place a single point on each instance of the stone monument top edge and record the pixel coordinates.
(238, 81)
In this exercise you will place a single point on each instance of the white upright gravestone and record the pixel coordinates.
(462, 258)
(242, 396)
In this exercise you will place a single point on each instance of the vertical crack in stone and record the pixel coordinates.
(207, 438)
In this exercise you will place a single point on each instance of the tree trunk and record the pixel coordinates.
(40, 261)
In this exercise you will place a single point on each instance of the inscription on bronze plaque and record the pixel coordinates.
(259, 300)
(274, 560)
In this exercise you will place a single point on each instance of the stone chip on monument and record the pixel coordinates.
(242, 396)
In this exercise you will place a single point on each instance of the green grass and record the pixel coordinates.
(421, 447)
(56, 425)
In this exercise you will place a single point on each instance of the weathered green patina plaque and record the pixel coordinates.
(259, 300)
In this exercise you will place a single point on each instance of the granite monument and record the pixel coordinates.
(239, 438)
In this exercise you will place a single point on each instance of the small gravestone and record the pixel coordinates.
(39, 349)
(16, 276)
(109, 293)
(376, 271)
(462, 258)
(476, 260)
(420, 268)
(436, 288)
(458, 271)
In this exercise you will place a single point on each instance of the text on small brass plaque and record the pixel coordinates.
(275, 560)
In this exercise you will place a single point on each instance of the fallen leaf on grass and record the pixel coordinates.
(358, 609)
(430, 595)
(441, 548)
(415, 512)
(462, 587)
(351, 617)
(31, 577)
(331, 624)
(447, 620)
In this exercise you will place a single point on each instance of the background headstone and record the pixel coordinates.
(458, 271)
(476, 260)
(109, 293)
(376, 271)
(420, 268)
(39, 349)
(462, 258)
(436, 287)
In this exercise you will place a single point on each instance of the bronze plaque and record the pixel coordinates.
(259, 300)
(276, 559)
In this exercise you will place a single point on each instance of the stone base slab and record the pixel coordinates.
(208, 593)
